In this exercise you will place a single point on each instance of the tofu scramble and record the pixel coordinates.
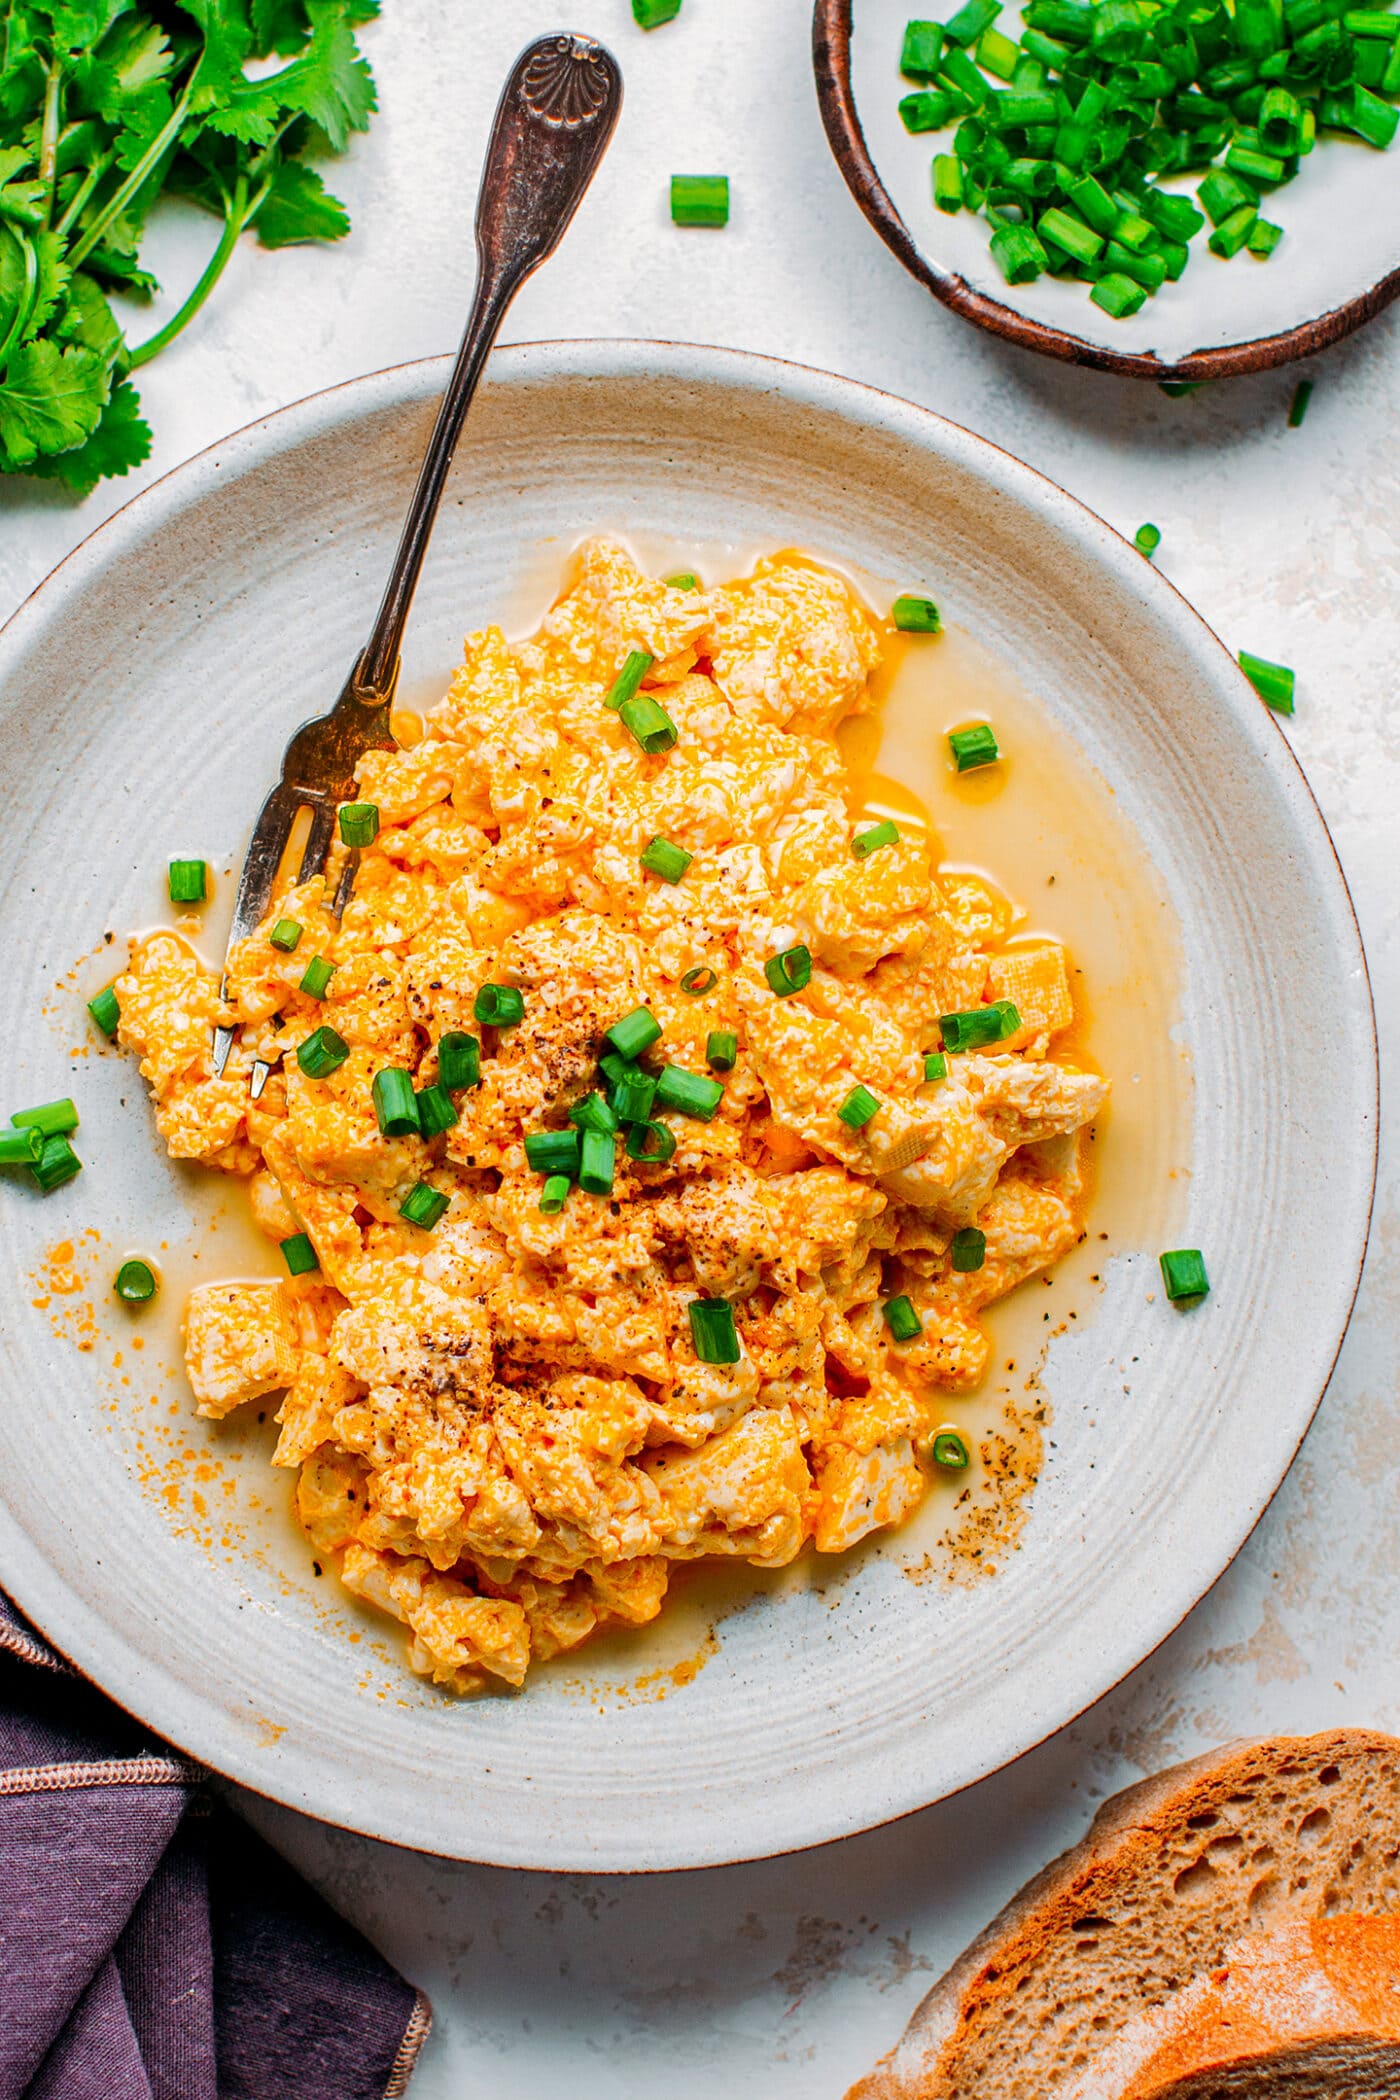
(502, 1417)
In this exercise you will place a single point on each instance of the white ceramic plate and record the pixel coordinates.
(1338, 263)
(148, 688)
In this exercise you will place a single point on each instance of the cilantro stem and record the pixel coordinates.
(123, 194)
(48, 137)
(240, 211)
(77, 203)
(25, 305)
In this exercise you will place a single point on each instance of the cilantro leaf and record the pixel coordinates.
(88, 319)
(49, 399)
(121, 441)
(299, 207)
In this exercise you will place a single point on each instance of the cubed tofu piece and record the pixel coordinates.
(240, 1342)
(1036, 982)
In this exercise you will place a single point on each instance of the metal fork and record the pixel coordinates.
(552, 126)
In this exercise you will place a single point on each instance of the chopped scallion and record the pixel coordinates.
(555, 1194)
(858, 1108)
(499, 1006)
(459, 1061)
(57, 1163)
(285, 935)
(553, 1152)
(901, 1319)
(664, 858)
(712, 1331)
(1272, 682)
(634, 1033)
(597, 1162)
(1298, 407)
(652, 1143)
(699, 980)
(978, 1027)
(867, 842)
(915, 615)
(135, 1282)
(49, 1118)
(1147, 539)
(594, 1113)
(789, 972)
(689, 1093)
(935, 1066)
(395, 1103)
(106, 1011)
(721, 1049)
(974, 747)
(650, 14)
(437, 1111)
(649, 723)
(635, 666)
(969, 1250)
(188, 881)
(322, 1053)
(359, 823)
(1184, 1273)
(21, 1148)
(634, 1097)
(299, 1255)
(683, 580)
(316, 977)
(949, 1450)
(424, 1206)
(700, 200)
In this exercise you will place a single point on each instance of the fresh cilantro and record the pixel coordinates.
(106, 106)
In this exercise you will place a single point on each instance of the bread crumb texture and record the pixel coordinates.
(1261, 1839)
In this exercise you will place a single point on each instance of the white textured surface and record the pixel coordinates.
(786, 1978)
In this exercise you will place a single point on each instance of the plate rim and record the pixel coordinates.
(831, 65)
(42, 1593)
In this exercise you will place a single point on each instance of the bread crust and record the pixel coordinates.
(1119, 1859)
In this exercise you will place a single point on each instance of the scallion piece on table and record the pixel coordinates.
(1147, 539)
(1272, 682)
(359, 823)
(1184, 1273)
(901, 1319)
(688, 1093)
(597, 1162)
(650, 14)
(424, 1206)
(299, 1255)
(285, 935)
(867, 842)
(968, 1250)
(499, 1005)
(649, 723)
(135, 1282)
(700, 200)
(459, 1060)
(57, 1163)
(652, 1143)
(316, 977)
(979, 1026)
(699, 980)
(21, 1148)
(789, 972)
(395, 1103)
(635, 666)
(1297, 409)
(437, 1111)
(921, 50)
(973, 747)
(665, 859)
(188, 881)
(552, 1152)
(913, 614)
(50, 1118)
(555, 1194)
(106, 1011)
(594, 1113)
(949, 1450)
(634, 1033)
(721, 1049)
(712, 1331)
(634, 1097)
(858, 1108)
(322, 1053)
(935, 1065)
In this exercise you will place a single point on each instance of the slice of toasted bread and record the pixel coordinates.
(1171, 1874)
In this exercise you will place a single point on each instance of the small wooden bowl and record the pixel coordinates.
(1345, 256)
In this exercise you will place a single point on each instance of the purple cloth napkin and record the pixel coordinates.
(152, 1947)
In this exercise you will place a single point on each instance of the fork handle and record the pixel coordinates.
(552, 126)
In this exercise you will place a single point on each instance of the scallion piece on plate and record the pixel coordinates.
(553, 1152)
(359, 823)
(947, 175)
(459, 1061)
(1147, 539)
(929, 110)
(1184, 1273)
(949, 1450)
(437, 1111)
(700, 200)
(299, 1255)
(322, 1053)
(316, 977)
(1118, 295)
(57, 1163)
(188, 881)
(699, 980)
(49, 1118)
(901, 1319)
(652, 1143)
(135, 1282)
(635, 666)
(688, 1093)
(649, 723)
(1232, 234)
(21, 1148)
(634, 1097)
(1264, 237)
(499, 1005)
(395, 1103)
(634, 1033)
(913, 614)
(870, 841)
(935, 1065)
(712, 1331)
(858, 1108)
(106, 1011)
(683, 580)
(594, 1113)
(1018, 253)
(921, 50)
(978, 1027)
(285, 935)
(1272, 682)
(1297, 409)
(424, 1206)
(969, 1250)
(597, 1162)
(1071, 234)
(666, 859)
(789, 972)
(973, 747)
(721, 1049)
(555, 1194)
